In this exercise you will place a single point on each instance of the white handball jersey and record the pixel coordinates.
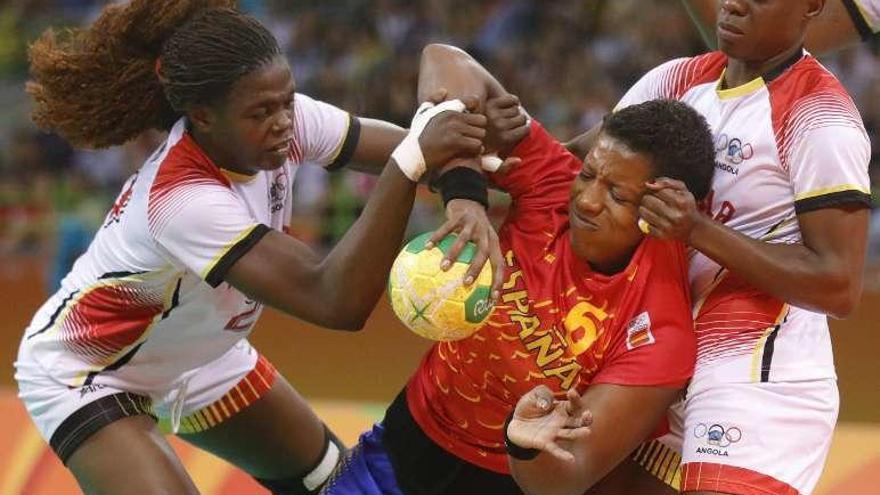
(146, 303)
(865, 15)
(787, 143)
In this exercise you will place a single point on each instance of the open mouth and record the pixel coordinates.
(280, 147)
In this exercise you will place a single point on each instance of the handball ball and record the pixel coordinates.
(436, 304)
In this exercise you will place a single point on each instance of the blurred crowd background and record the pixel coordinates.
(568, 60)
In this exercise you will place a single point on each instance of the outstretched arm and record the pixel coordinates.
(341, 290)
(571, 461)
(376, 142)
(837, 27)
(823, 274)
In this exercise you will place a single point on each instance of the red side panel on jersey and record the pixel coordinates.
(107, 320)
(709, 477)
(184, 166)
(732, 318)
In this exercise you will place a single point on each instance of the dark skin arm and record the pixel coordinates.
(581, 144)
(572, 461)
(831, 31)
(340, 291)
(467, 218)
(823, 274)
(452, 70)
(377, 140)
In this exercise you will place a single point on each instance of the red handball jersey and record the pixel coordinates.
(558, 323)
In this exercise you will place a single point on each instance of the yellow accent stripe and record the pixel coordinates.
(226, 413)
(831, 190)
(222, 252)
(253, 390)
(28, 450)
(660, 461)
(237, 177)
(699, 304)
(780, 226)
(341, 142)
(758, 353)
(741, 90)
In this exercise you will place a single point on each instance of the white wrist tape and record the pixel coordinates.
(408, 154)
(490, 162)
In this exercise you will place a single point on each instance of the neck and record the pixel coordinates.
(210, 147)
(612, 267)
(741, 71)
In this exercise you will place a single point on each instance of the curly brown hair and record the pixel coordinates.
(140, 66)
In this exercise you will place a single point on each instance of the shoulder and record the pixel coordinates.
(809, 95)
(806, 98)
(183, 175)
(679, 75)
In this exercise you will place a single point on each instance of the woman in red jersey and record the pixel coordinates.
(591, 306)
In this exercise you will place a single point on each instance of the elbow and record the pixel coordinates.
(843, 307)
(350, 325)
(351, 313)
(344, 319)
(845, 299)
(440, 50)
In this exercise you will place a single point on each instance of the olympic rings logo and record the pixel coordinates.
(717, 434)
(734, 148)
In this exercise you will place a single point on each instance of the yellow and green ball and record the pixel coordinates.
(433, 303)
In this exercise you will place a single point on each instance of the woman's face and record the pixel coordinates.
(253, 130)
(604, 202)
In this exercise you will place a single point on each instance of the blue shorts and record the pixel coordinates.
(396, 457)
(365, 470)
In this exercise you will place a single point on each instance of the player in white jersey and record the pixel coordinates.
(152, 320)
(842, 23)
(781, 245)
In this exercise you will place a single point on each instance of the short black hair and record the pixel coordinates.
(675, 136)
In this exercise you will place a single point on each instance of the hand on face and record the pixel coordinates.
(670, 210)
(541, 422)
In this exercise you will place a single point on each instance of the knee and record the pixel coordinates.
(314, 478)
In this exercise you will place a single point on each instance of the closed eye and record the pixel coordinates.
(617, 197)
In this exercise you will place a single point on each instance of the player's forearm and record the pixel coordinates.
(376, 142)
(356, 270)
(547, 475)
(581, 144)
(452, 69)
(550, 475)
(793, 273)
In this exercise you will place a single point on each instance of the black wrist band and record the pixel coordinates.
(514, 450)
(463, 183)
